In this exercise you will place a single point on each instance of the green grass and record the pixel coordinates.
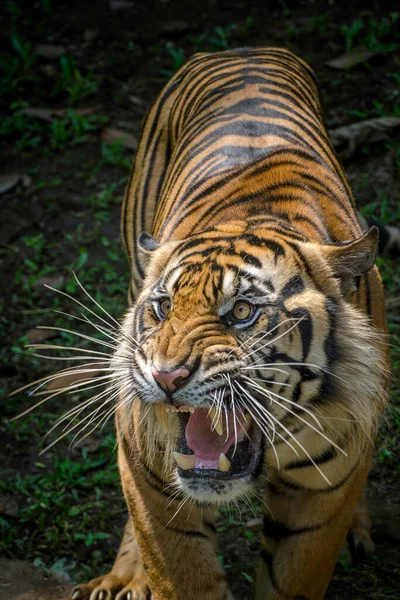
(377, 35)
(27, 133)
(220, 38)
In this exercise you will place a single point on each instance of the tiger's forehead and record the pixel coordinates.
(211, 283)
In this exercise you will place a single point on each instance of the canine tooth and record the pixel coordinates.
(185, 461)
(216, 421)
(247, 421)
(162, 417)
(223, 463)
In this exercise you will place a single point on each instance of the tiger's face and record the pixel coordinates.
(232, 339)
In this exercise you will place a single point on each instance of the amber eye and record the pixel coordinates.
(242, 310)
(164, 307)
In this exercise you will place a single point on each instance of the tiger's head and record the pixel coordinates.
(240, 337)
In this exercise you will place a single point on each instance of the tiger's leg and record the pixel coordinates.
(177, 539)
(360, 541)
(304, 533)
(127, 579)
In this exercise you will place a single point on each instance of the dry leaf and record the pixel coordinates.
(89, 443)
(84, 111)
(8, 182)
(68, 379)
(254, 523)
(36, 336)
(126, 139)
(90, 35)
(120, 5)
(26, 180)
(351, 59)
(350, 137)
(175, 27)
(50, 51)
(45, 114)
(8, 505)
(54, 281)
(137, 101)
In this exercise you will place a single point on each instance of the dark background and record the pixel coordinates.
(92, 69)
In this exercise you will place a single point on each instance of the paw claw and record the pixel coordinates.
(76, 595)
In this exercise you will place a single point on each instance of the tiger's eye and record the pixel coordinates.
(165, 306)
(242, 310)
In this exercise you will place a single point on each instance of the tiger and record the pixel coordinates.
(253, 353)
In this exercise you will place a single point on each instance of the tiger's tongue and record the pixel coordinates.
(204, 442)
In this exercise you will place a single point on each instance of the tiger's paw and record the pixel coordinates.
(361, 544)
(112, 587)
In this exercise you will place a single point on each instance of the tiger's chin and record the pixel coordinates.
(218, 457)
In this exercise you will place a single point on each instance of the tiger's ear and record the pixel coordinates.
(147, 243)
(351, 260)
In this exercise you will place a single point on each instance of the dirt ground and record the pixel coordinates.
(95, 70)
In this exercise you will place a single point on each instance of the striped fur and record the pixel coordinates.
(237, 182)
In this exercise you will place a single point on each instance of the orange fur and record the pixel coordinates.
(236, 179)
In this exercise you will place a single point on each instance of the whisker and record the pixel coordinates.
(266, 394)
(296, 441)
(299, 406)
(269, 342)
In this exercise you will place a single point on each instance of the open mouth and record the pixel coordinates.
(214, 444)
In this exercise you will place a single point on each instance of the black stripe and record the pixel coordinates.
(295, 285)
(277, 530)
(328, 455)
(301, 488)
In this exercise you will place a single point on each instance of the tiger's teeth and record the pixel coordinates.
(185, 408)
(216, 421)
(185, 461)
(223, 463)
(247, 421)
(162, 417)
(171, 409)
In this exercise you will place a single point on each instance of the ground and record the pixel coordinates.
(95, 70)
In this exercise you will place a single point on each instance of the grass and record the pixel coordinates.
(220, 38)
(70, 510)
(27, 133)
(377, 35)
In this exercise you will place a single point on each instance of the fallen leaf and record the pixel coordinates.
(50, 51)
(45, 114)
(90, 35)
(68, 379)
(8, 182)
(36, 336)
(8, 505)
(26, 180)
(175, 27)
(120, 5)
(137, 101)
(89, 443)
(350, 137)
(110, 135)
(54, 281)
(83, 111)
(351, 59)
(254, 523)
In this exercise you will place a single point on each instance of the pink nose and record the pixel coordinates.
(171, 381)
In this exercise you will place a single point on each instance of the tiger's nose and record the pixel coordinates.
(170, 381)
